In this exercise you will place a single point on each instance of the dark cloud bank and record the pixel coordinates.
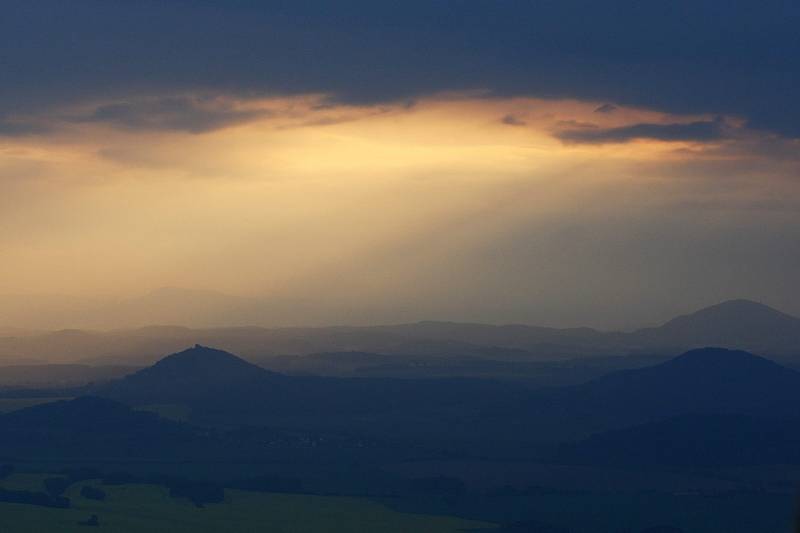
(193, 115)
(701, 131)
(737, 58)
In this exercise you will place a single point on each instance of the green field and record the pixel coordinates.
(149, 508)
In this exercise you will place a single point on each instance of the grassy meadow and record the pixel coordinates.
(136, 508)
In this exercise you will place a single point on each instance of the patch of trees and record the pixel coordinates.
(199, 493)
(93, 493)
(55, 486)
(34, 498)
(93, 521)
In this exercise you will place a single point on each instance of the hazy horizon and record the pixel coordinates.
(195, 308)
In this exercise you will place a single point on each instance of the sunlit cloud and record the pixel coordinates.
(440, 209)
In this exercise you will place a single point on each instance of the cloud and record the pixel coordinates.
(188, 114)
(577, 124)
(643, 54)
(511, 120)
(701, 131)
(606, 108)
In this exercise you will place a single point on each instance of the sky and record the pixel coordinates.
(556, 162)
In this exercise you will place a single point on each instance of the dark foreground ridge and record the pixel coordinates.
(431, 446)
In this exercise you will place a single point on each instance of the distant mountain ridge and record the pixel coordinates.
(737, 324)
(67, 375)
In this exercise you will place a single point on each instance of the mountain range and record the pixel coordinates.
(220, 389)
(678, 412)
(737, 324)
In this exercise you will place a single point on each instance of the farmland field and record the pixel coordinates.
(134, 508)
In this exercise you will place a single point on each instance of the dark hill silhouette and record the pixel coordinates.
(707, 380)
(711, 380)
(96, 429)
(693, 440)
(91, 427)
(202, 364)
(197, 372)
(223, 391)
